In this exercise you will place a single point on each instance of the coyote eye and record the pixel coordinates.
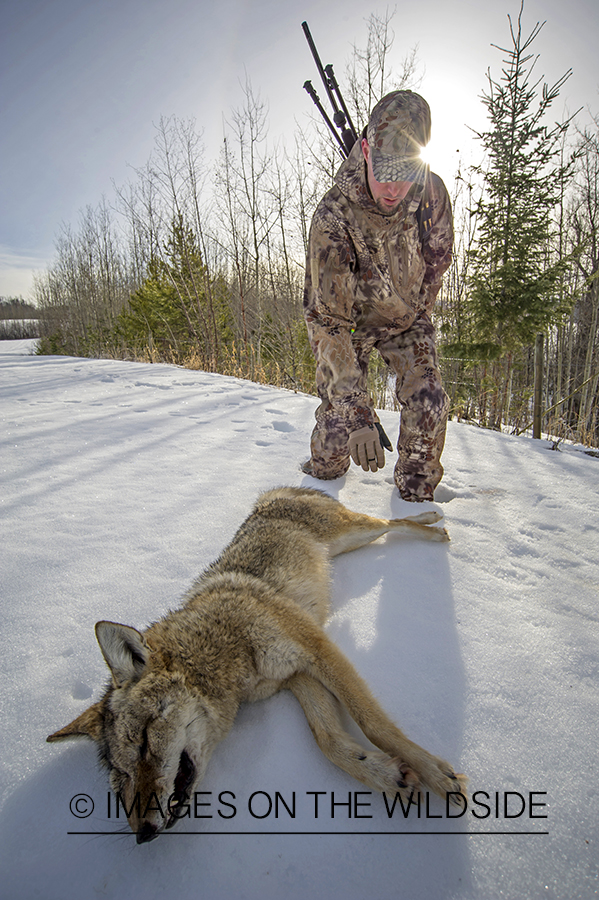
(119, 780)
(144, 744)
(185, 775)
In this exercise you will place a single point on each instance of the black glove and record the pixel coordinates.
(383, 437)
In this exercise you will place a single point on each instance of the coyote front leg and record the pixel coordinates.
(375, 769)
(402, 766)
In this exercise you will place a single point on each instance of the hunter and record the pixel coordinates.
(380, 241)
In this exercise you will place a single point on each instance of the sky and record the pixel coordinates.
(83, 84)
(120, 482)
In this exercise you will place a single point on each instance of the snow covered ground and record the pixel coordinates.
(121, 481)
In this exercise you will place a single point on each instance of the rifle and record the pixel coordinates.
(341, 116)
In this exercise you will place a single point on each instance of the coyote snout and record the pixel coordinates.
(250, 626)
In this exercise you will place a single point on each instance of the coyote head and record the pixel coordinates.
(151, 732)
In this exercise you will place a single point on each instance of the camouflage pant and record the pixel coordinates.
(411, 356)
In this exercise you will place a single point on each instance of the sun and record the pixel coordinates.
(440, 159)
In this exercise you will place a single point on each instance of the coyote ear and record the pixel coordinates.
(124, 649)
(89, 723)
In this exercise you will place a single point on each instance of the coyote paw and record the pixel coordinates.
(430, 772)
(408, 780)
(410, 774)
(426, 518)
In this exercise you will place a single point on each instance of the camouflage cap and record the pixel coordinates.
(399, 126)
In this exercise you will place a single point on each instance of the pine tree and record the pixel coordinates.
(172, 312)
(513, 285)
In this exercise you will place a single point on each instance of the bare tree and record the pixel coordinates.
(370, 74)
(585, 231)
(87, 285)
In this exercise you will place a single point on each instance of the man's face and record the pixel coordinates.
(386, 195)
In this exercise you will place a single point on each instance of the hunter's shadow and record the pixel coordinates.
(392, 613)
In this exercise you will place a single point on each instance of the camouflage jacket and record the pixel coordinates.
(368, 274)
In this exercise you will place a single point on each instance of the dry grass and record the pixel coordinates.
(234, 364)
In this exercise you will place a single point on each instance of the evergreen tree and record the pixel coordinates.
(153, 317)
(514, 275)
(172, 311)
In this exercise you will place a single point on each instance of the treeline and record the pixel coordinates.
(170, 271)
(519, 312)
(202, 265)
(18, 319)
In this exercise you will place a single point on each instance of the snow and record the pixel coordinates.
(121, 481)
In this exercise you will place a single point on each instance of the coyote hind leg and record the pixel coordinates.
(358, 530)
(417, 526)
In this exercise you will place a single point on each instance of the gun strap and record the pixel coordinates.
(424, 213)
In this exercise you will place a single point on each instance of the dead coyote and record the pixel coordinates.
(250, 626)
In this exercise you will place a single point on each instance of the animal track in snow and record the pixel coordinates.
(444, 494)
(161, 387)
(81, 691)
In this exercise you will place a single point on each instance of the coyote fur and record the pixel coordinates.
(251, 625)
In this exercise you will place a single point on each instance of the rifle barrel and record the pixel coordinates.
(321, 72)
(309, 87)
(335, 86)
(341, 116)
